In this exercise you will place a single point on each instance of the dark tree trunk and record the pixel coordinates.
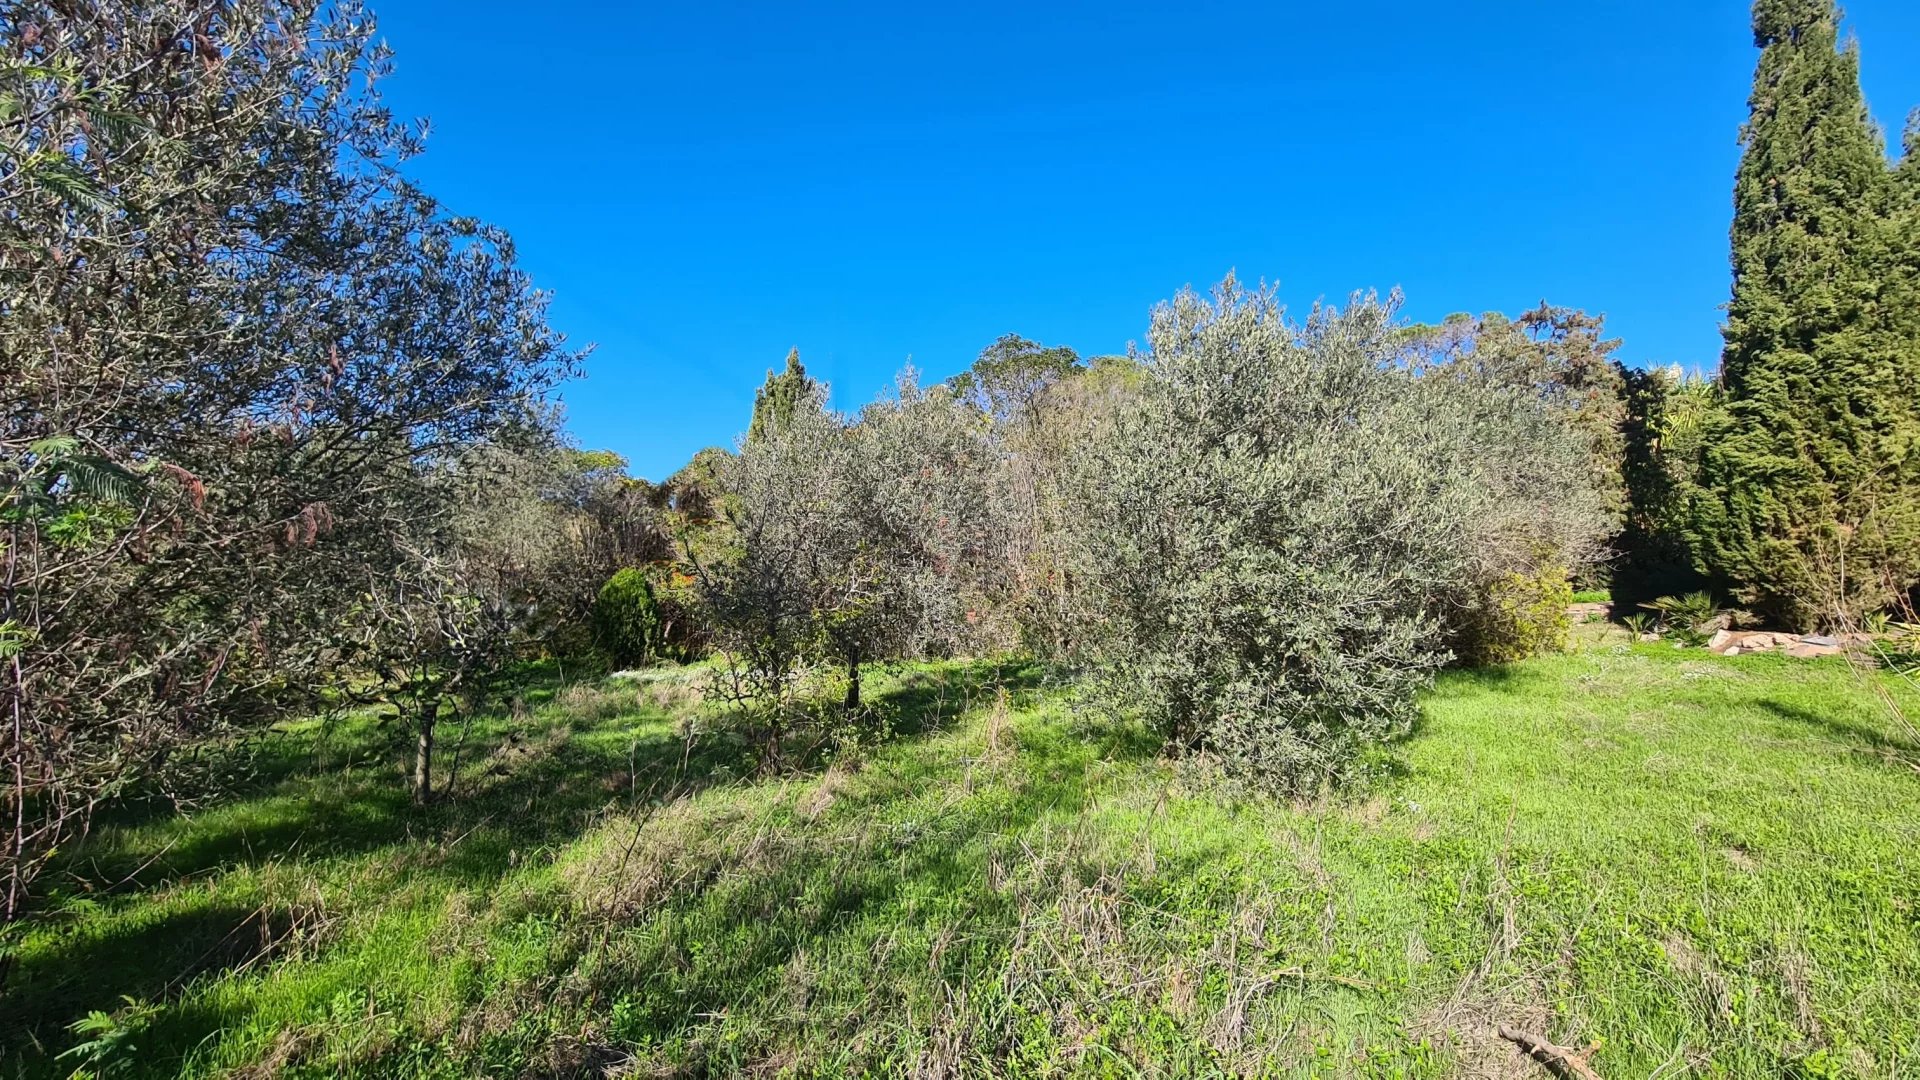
(423, 751)
(853, 680)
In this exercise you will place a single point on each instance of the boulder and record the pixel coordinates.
(1722, 641)
(1808, 649)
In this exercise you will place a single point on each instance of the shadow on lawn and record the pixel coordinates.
(534, 787)
(872, 890)
(1849, 729)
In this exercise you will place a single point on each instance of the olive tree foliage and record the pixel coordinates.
(236, 347)
(1267, 543)
(500, 571)
(855, 539)
(1561, 355)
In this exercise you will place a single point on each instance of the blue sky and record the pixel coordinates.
(702, 186)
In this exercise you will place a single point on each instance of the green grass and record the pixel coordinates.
(1707, 866)
(1593, 596)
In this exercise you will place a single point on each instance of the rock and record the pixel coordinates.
(1731, 650)
(1721, 641)
(1807, 650)
(1821, 640)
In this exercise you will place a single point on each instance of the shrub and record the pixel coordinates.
(1267, 542)
(1690, 619)
(1515, 616)
(626, 619)
(858, 539)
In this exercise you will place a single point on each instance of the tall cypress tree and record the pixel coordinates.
(1811, 511)
(774, 402)
(1903, 307)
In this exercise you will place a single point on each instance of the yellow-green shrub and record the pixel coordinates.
(1516, 615)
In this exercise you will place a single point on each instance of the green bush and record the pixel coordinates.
(1690, 619)
(1517, 615)
(626, 619)
(1265, 543)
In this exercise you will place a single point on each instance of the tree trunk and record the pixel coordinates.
(423, 751)
(853, 680)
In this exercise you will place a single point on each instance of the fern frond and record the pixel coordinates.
(98, 478)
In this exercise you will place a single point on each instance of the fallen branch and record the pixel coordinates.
(1558, 1060)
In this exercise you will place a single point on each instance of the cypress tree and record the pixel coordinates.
(1904, 308)
(774, 402)
(1810, 512)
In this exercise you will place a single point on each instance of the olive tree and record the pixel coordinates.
(1268, 540)
(494, 572)
(856, 539)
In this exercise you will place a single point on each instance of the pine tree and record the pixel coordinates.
(774, 402)
(1811, 504)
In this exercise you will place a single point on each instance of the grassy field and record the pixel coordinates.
(1705, 866)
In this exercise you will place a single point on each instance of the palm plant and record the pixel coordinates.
(1690, 619)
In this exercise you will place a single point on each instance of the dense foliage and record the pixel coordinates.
(1560, 355)
(245, 369)
(1270, 540)
(1810, 507)
(857, 539)
(774, 403)
(1515, 615)
(1667, 419)
(627, 620)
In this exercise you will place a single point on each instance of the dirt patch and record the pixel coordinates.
(1470, 1027)
(1697, 967)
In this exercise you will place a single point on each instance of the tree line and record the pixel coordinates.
(277, 437)
(1259, 535)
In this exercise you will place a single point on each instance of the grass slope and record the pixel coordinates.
(1706, 866)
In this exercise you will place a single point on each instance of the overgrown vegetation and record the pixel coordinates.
(1064, 717)
(626, 618)
(1005, 890)
(247, 368)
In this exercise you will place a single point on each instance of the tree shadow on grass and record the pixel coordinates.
(929, 701)
(1850, 730)
(98, 968)
(528, 791)
(884, 869)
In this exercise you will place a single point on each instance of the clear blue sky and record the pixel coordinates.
(702, 186)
